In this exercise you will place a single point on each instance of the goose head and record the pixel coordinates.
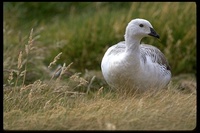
(138, 29)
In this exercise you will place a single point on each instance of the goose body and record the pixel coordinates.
(134, 65)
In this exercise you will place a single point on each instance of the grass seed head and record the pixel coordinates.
(55, 60)
(19, 65)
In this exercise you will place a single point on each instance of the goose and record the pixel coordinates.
(129, 64)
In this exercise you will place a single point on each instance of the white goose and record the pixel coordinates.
(134, 65)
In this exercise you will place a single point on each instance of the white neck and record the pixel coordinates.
(132, 43)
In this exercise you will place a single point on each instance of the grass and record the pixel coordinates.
(76, 28)
(52, 106)
(74, 35)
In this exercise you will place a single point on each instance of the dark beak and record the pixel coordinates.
(153, 33)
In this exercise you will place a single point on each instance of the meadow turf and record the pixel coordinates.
(37, 37)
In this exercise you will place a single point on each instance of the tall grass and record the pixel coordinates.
(83, 31)
(51, 106)
(55, 104)
(37, 96)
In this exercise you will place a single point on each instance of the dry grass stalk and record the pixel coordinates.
(30, 42)
(27, 49)
(47, 104)
(55, 60)
(64, 69)
(56, 72)
(82, 82)
(19, 65)
(89, 86)
(100, 91)
(26, 87)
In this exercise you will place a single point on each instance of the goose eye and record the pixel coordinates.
(141, 25)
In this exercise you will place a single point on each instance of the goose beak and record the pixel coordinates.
(153, 33)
